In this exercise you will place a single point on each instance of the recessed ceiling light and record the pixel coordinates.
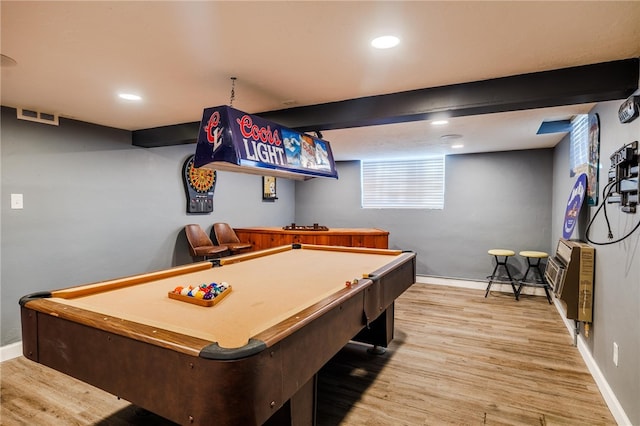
(439, 122)
(450, 138)
(129, 97)
(385, 42)
(457, 146)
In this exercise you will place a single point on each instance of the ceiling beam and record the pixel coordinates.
(568, 86)
(175, 134)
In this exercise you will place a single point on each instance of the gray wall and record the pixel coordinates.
(497, 200)
(512, 199)
(96, 207)
(617, 278)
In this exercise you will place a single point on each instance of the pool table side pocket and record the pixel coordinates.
(389, 283)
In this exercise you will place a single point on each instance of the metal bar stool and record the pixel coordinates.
(538, 281)
(497, 253)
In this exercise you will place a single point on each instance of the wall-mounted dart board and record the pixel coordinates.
(199, 185)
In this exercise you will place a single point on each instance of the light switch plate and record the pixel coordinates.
(16, 201)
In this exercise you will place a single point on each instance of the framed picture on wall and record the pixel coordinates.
(269, 188)
(594, 159)
(579, 145)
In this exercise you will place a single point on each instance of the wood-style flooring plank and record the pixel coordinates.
(460, 358)
(457, 359)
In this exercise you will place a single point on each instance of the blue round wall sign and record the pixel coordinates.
(576, 198)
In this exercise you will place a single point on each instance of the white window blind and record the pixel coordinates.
(412, 184)
(579, 148)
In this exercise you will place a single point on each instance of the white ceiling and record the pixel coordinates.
(72, 58)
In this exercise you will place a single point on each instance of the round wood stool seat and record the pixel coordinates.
(534, 254)
(501, 252)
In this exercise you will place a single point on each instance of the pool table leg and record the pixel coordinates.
(380, 331)
(376, 350)
(300, 409)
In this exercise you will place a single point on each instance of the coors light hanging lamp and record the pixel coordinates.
(233, 140)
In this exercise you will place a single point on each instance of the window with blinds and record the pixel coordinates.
(411, 184)
(579, 144)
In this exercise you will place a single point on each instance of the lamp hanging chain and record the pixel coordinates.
(233, 91)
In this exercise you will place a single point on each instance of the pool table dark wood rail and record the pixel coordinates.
(173, 375)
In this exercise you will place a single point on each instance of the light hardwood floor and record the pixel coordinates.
(457, 358)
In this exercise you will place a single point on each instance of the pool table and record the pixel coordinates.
(250, 359)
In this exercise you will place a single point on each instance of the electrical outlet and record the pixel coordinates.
(615, 354)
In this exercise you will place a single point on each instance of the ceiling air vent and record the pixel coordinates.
(38, 116)
(557, 126)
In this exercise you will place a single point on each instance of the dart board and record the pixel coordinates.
(199, 184)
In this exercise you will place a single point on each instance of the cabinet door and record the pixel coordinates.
(340, 240)
(376, 241)
(358, 240)
(249, 237)
(323, 240)
(306, 238)
(278, 239)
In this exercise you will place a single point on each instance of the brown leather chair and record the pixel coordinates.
(225, 235)
(200, 245)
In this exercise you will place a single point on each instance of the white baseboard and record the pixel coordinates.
(607, 393)
(603, 386)
(10, 351)
(478, 285)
